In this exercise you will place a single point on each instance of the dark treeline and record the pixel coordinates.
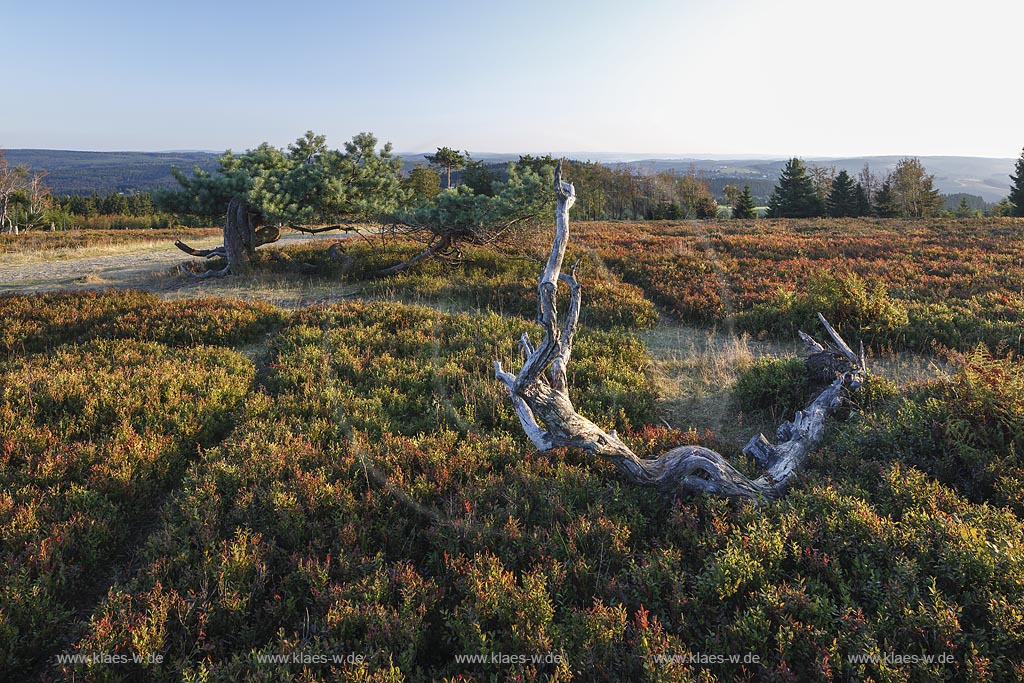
(111, 204)
(958, 202)
(113, 211)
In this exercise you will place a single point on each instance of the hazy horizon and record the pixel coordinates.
(739, 78)
(589, 155)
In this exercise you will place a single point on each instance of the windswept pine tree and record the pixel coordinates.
(795, 195)
(265, 189)
(458, 216)
(842, 198)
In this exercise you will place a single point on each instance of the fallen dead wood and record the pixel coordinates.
(539, 393)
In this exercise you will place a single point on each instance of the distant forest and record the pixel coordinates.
(85, 173)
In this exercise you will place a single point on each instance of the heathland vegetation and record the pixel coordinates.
(350, 478)
(231, 490)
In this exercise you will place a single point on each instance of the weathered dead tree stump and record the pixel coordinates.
(540, 395)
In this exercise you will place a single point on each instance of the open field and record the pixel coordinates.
(141, 259)
(314, 462)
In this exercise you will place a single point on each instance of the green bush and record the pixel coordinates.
(846, 301)
(775, 386)
(967, 431)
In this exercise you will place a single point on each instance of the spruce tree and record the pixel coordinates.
(863, 201)
(1004, 208)
(795, 196)
(885, 201)
(842, 197)
(963, 209)
(1017, 189)
(744, 206)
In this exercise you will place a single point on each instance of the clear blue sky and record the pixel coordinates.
(785, 77)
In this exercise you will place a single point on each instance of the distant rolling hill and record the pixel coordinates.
(102, 172)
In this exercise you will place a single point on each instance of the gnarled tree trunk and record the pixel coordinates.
(540, 396)
(240, 237)
(243, 232)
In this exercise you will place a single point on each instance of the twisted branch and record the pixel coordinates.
(550, 421)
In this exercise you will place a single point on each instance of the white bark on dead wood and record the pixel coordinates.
(540, 396)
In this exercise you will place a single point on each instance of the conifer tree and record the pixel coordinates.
(459, 216)
(842, 197)
(447, 159)
(885, 201)
(744, 206)
(862, 200)
(795, 195)
(1017, 189)
(963, 209)
(266, 188)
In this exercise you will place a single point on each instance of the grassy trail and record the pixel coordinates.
(144, 264)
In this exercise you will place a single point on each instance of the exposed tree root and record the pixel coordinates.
(223, 272)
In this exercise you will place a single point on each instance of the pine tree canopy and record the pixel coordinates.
(448, 159)
(459, 214)
(306, 183)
